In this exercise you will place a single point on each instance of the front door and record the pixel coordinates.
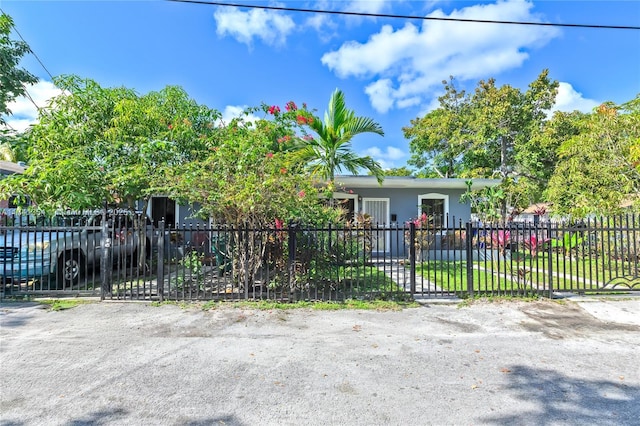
(378, 209)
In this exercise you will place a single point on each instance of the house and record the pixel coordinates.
(395, 202)
(400, 199)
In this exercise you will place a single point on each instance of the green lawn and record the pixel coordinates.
(357, 279)
(533, 273)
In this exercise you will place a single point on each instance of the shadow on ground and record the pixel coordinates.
(560, 399)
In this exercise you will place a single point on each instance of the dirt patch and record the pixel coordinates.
(560, 321)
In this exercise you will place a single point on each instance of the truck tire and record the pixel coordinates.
(69, 271)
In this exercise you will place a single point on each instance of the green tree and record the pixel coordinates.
(331, 151)
(249, 177)
(486, 134)
(149, 135)
(249, 180)
(94, 145)
(7, 152)
(13, 78)
(440, 140)
(66, 162)
(398, 171)
(599, 166)
(537, 157)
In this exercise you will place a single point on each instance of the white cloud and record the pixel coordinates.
(269, 26)
(236, 111)
(367, 6)
(410, 62)
(326, 27)
(380, 94)
(568, 100)
(386, 157)
(24, 112)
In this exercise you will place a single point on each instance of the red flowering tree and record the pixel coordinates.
(249, 180)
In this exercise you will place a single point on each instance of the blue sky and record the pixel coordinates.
(390, 69)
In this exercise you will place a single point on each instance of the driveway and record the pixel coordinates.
(489, 363)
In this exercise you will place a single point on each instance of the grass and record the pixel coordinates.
(532, 273)
(357, 278)
(63, 304)
(268, 305)
(452, 277)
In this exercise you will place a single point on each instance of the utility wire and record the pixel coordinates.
(424, 18)
(26, 90)
(26, 93)
(30, 50)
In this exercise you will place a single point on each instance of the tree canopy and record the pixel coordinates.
(249, 177)
(13, 78)
(485, 134)
(93, 145)
(599, 161)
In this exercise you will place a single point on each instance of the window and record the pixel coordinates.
(435, 206)
(348, 202)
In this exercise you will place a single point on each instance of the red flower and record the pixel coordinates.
(273, 109)
(291, 106)
(170, 127)
(279, 224)
(269, 154)
(301, 119)
(283, 170)
(301, 194)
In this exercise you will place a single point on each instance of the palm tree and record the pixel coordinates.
(331, 151)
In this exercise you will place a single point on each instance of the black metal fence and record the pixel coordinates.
(128, 259)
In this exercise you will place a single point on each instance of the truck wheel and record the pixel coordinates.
(70, 270)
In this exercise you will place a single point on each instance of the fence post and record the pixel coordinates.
(412, 257)
(245, 266)
(292, 255)
(160, 275)
(105, 243)
(550, 260)
(469, 262)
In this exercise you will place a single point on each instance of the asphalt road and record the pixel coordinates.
(509, 363)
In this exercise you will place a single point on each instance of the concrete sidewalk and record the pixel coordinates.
(570, 362)
(619, 310)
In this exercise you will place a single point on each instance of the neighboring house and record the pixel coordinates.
(400, 199)
(535, 213)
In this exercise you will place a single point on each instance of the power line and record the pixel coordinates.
(424, 18)
(30, 50)
(28, 95)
